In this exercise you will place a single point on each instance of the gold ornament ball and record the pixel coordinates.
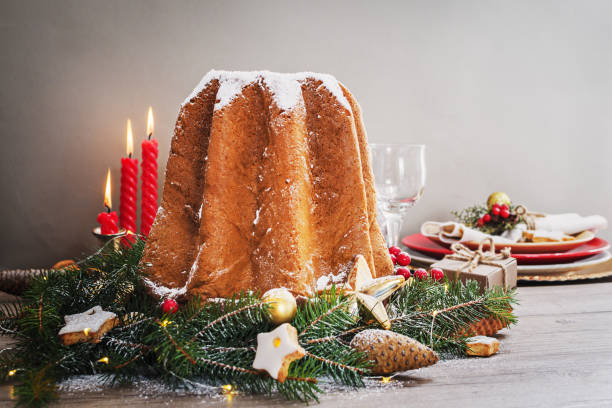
(282, 305)
(498, 198)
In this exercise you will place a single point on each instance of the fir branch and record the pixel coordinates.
(126, 363)
(214, 342)
(225, 317)
(337, 364)
(323, 316)
(175, 344)
(40, 313)
(228, 367)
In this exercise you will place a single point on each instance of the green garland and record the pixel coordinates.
(212, 343)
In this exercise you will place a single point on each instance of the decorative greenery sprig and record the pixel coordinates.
(211, 342)
(496, 226)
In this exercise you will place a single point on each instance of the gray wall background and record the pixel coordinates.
(513, 96)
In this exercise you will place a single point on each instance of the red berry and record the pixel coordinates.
(393, 259)
(169, 306)
(495, 209)
(420, 274)
(505, 207)
(486, 218)
(480, 222)
(437, 274)
(405, 272)
(393, 250)
(504, 213)
(403, 259)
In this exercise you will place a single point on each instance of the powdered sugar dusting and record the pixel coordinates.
(325, 281)
(230, 86)
(171, 293)
(286, 88)
(481, 339)
(163, 291)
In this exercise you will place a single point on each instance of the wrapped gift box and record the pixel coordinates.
(487, 275)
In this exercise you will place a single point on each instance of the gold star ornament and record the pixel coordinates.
(276, 350)
(370, 292)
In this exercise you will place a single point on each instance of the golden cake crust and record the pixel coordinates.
(268, 185)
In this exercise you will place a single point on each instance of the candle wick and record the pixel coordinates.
(150, 134)
(108, 209)
(129, 155)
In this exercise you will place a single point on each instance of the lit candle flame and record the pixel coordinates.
(130, 139)
(150, 122)
(108, 203)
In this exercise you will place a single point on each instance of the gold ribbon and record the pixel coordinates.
(479, 257)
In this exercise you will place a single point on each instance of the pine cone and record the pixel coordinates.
(484, 327)
(392, 352)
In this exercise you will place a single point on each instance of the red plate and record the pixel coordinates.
(421, 243)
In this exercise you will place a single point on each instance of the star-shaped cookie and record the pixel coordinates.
(276, 350)
(371, 292)
(88, 326)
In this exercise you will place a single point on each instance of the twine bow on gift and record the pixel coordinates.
(479, 257)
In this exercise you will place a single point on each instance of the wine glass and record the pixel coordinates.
(399, 179)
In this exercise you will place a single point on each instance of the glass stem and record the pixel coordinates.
(394, 225)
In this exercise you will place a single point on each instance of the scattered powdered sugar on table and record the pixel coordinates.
(146, 387)
(151, 388)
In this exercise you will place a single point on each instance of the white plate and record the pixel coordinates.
(533, 269)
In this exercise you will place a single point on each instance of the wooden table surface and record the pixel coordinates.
(559, 355)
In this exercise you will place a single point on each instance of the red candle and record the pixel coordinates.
(108, 218)
(148, 198)
(129, 185)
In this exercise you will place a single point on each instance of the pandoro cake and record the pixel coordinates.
(268, 184)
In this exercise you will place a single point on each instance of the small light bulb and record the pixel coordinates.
(227, 387)
(103, 360)
(12, 373)
(164, 322)
(86, 331)
(435, 313)
(385, 380)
